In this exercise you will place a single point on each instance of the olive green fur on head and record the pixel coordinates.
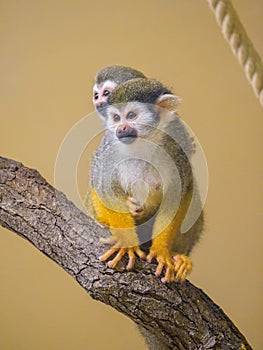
(142, 90)
(118, 74)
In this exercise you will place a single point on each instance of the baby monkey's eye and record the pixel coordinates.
(116, 117)
(131, 115)
(96, 96)
(106, 93)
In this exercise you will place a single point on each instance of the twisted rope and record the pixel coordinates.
(240, 43)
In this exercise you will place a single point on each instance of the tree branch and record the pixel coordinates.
(173, 316)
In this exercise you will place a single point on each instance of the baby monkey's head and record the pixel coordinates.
(107, 79)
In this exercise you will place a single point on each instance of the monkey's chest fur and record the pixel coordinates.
(141, 181)
(133, 171)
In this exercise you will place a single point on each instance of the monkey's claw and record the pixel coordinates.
(120, 252)
(183, 266)
(135, 207)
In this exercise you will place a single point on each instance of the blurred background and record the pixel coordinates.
(50, 52)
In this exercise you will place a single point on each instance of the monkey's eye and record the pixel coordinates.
(131, 115)
(96, 96)
(116, 117)
(106, 93)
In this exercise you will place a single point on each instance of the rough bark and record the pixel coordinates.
(173, 316)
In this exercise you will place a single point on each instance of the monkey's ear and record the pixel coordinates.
(169, 102)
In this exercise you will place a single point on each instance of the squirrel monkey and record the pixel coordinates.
(141, 174)
(107, 79)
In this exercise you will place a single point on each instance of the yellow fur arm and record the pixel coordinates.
(124, 237)
(121, 224)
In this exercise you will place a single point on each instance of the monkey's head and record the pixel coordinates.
(137, 108)
(107, 79)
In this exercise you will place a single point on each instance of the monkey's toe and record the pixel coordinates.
(113, 263)
(120, 252)
(108, 254)
(183, 267)
(165, 265)
(169, 275)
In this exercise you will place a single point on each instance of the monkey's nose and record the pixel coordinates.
(126, 133)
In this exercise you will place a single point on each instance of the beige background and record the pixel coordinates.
(50, 51)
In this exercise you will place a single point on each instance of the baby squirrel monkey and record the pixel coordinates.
(141, 173)
(107, 79)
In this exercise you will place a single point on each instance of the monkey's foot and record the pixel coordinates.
(135, 208)
(183, 267)
(120, 252)
(165, 263)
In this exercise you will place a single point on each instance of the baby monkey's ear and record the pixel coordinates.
(169, 102)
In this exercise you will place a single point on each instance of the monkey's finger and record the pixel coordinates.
(133, 201)
(183, 267)
(180, 265)
(169, 276)
(108, 254)
(182, 277)
(139, 252)
(181, 273)
(131, 259)
(113, 263)
(159, 269)
(183, 260)
(150, 256)
(135, 207)
(137, 215)
(108, 240)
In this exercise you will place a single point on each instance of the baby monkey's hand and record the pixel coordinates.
(135, 208)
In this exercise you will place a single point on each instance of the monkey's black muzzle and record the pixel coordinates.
(126, 134)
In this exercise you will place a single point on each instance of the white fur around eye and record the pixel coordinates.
(142, 111)
(110, 123)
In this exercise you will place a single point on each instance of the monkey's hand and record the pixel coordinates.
(135, 208)
(183, 267)
(120, 250)
(165, 263)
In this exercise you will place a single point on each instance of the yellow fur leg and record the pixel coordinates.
(162, 241)
(124, 237)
